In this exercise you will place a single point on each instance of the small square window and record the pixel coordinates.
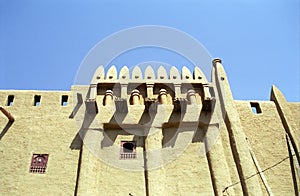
(37, 100)
(39, 163)
(128, 150)
(10, 100)
(64, 100)
(255, 108)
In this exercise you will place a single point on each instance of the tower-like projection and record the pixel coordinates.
(149, 125)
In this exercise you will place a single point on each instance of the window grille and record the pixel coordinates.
(38, 163)
(128, 150)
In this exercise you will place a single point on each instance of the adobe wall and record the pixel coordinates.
(44, 129)
(295, 111)
(99, 177)
(188, 174)
(170, 145)
(267, 138)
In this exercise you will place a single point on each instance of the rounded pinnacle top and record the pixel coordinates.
(217, 60)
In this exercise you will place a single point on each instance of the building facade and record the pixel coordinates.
(153, 133)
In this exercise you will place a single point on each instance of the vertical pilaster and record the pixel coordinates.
(239, 146)
(124, 90)
(290, 127)
(207, 95)
(287, 117)
(156, 176)
(177, 90)
(150, 90)
(93, 91)
(87, 183)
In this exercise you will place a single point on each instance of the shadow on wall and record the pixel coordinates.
(170, 134)
(111, 135)
(78, 105)
(89, 117)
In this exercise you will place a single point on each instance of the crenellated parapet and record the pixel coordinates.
(136, 75)
(135, 87)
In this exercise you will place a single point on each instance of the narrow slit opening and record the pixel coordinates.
(255, 108)
(10, 100)
(37, 100)
(64, 100)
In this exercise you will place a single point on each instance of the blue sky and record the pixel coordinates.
(42, 43)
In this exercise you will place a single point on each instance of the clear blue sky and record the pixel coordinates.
(42, 43)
